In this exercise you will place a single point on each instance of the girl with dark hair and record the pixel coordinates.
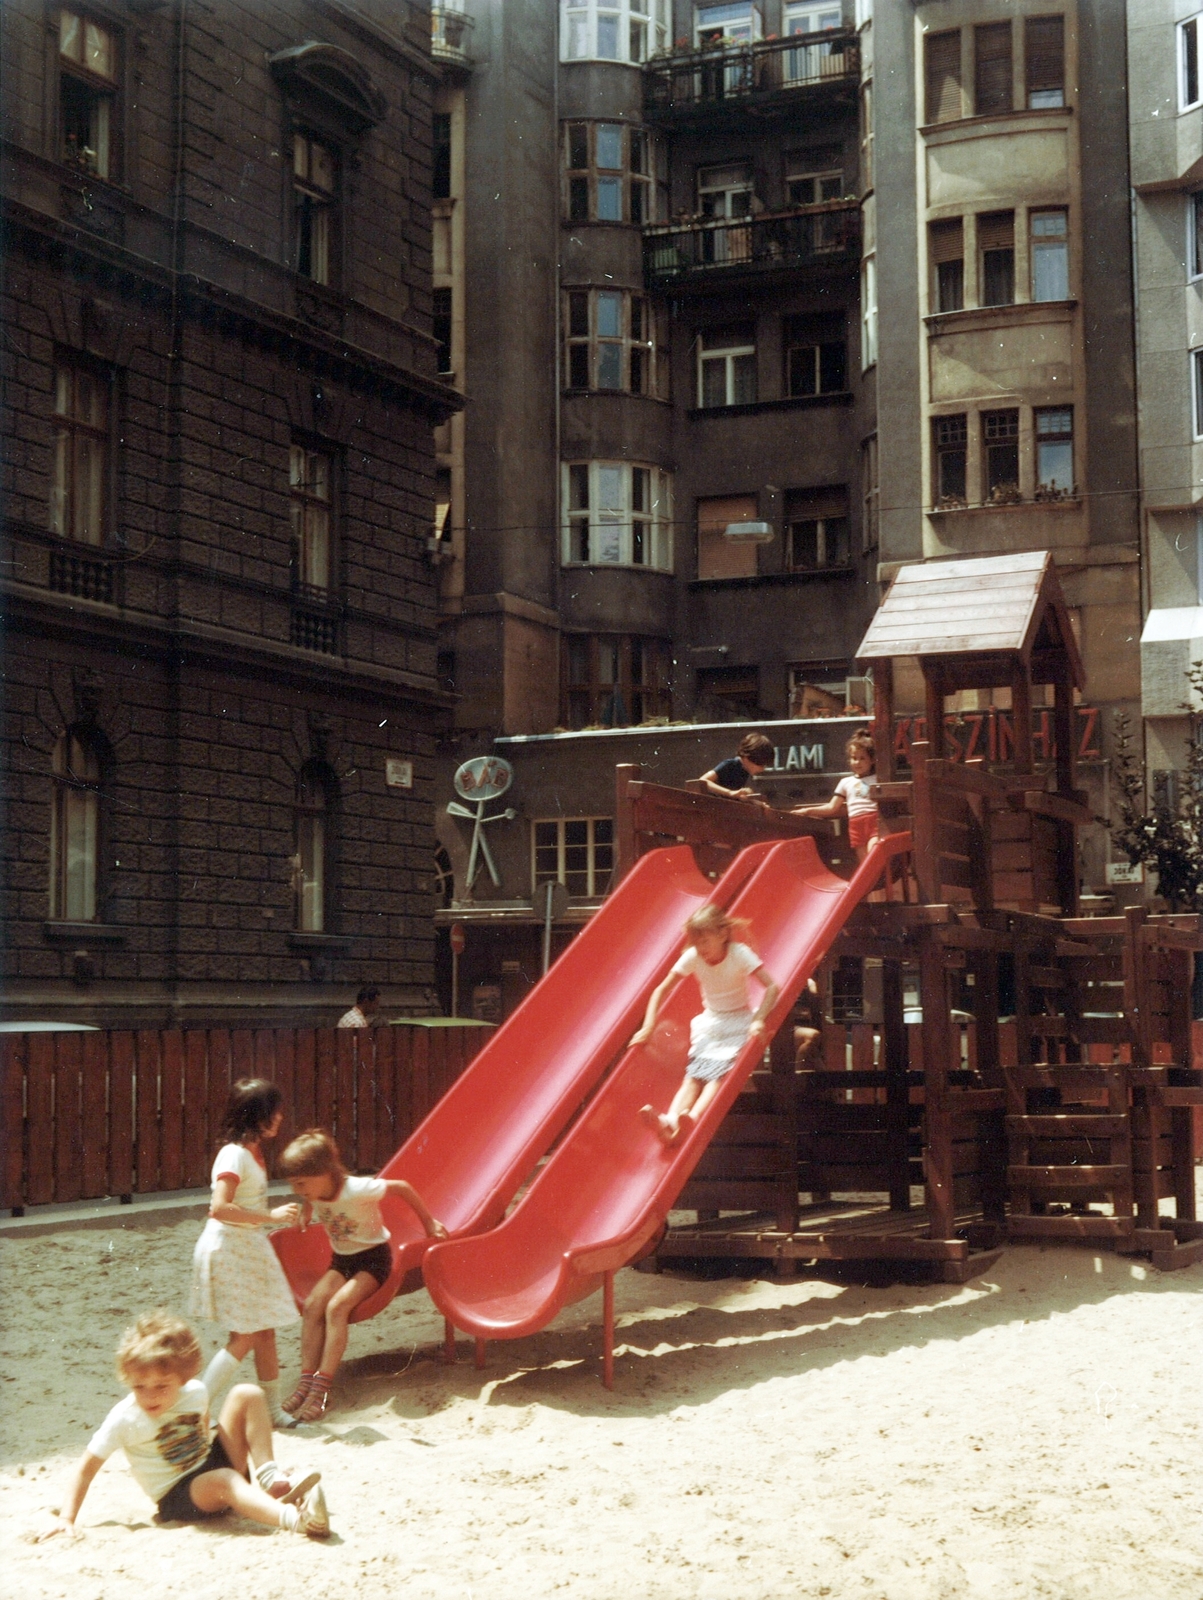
(237, 1280)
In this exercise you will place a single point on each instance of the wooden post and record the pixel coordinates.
(896, 1062)
(933, 684)
(938, 1045)
(783, 1083)
(1021, 717)
(479, 1353)
(608, 1330)
(991, 1128)
(624, 820)
(924, 855)
(1063, 730)
(883, 718)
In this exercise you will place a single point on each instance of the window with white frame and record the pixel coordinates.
(613, 30)
(615, 340)
(1054, 427)
(1050, 255)
(727, 367)
(1189, 78)
(575, 851)
(816, 529)
(617, 514)
(87, 94)
(75, 828)
(868, 289)
(1194, 234)
(609, 173)
(813, 176)
(79, 486)
(728, 22)
(314, 809)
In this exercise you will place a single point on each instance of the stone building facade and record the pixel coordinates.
(221, 699)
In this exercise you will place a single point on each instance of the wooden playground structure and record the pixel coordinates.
(1040, 1083)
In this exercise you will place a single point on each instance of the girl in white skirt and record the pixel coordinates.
(237, 1280)
(722, 967)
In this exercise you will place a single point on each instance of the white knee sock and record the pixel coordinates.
(219, 1373)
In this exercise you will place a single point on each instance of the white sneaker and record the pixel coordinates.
(314, 1519)
(299, 1484)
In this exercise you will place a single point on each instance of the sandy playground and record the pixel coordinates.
(1033, 1433)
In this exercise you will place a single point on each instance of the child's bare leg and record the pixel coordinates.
(225, 1490)
(267, 1362)
(245, 1428)
(240, 1344)
(338, 1314)
(313, 1318)
(709, 1090)
(668, 1126)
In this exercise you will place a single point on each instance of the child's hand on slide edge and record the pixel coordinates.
(641, 1037)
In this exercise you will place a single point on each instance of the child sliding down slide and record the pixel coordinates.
(360, 1261)
(722, 967)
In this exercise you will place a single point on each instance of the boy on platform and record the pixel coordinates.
(730, 778)
(192, 1472)
(349, 1210)
(855, 797)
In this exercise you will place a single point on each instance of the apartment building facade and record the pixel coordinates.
(1166, 139)
(221, 695)
(1005, 355)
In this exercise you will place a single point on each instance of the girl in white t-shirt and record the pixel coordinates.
(360, 1260)
(722, 966)
(855, 797)
(237, 1279)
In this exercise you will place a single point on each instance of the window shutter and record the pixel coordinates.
(942, 60)
(996, 231)
(992, 71)
(947, 241)
(1044, 53)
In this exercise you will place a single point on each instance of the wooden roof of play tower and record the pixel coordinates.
(979, 619)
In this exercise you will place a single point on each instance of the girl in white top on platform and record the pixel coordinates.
(237, 1279)
(722, 966)
(360, 1259)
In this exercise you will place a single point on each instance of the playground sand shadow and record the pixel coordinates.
(1027, 1436)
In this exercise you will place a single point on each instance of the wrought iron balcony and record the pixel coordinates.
(700, 250)
(694, 85)
(450, 36)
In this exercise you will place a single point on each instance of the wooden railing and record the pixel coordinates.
(87, 1115)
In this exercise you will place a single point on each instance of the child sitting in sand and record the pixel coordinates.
(191, 1471)
(360, 1262)
(855, 797)
(722, 966)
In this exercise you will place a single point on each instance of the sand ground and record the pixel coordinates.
(1032, 1433)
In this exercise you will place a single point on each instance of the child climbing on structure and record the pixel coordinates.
(854, 797)
(360, 1262)
(722, 966)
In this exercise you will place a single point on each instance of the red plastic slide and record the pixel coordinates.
(481, 1142)
(607, 1191)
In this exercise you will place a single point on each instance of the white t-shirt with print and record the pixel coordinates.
(858, 794)
(724, 985)
(235, 1160)
(353, 1219)
(160, 1450)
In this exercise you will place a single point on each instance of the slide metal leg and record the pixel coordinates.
(608, 1321)
(448, 1341)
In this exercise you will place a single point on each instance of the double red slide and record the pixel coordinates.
(482, 1141)
(607, 1190)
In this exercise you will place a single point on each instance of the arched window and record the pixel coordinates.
(75, 829)
(315, 812)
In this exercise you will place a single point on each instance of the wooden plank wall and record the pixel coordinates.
(86, 1115)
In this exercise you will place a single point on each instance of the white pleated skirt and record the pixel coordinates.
(715, 1039)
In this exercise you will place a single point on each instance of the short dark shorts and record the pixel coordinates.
(177, 1504)
(376, 1259)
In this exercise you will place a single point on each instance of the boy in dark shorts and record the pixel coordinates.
(192, 1472)
(730, 778)
(360, 1259)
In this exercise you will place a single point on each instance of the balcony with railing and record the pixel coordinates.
(703, 252)
(451, 36)
(692, 86)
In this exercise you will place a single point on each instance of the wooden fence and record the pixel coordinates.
(85, 1115)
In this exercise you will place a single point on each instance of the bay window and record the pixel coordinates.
(630, 31)
(617, 514)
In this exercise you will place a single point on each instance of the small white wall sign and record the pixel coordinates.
(398, 774)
